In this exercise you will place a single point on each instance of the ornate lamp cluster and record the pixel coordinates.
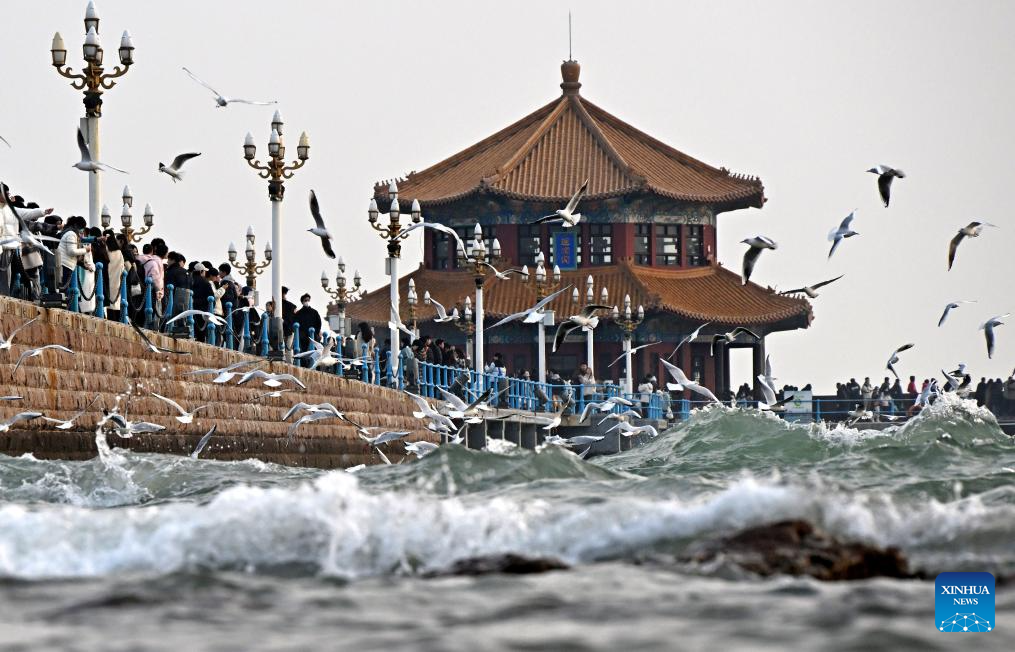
(127, 218)
(394, 231)
(628, 321)
(92, 79)
(477, 257)
(465, 322)
(275, 169)
(544, 284)
(250, 267)
(343, 292)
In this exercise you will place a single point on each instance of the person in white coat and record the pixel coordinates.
(71, 248)
(10, 233)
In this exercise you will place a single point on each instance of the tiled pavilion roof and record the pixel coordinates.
(710, 293)
(547, 155)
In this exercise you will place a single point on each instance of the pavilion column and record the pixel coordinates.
(720, 369)
(758, 366)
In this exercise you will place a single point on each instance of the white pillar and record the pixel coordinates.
(341, 324)
(542, 349)
(588, 351)
(479, 329)
(628, 381)
(276, 269)
(90, 128)
(394, 332)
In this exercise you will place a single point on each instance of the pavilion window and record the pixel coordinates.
(695, 245)
(668, 244)
(557, 228)
(441, 250)
(698, 369)
(529, 243)
(642, 242)
(600, 244)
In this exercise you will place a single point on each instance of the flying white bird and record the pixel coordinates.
(203, 442)
(629, 430)
(811, 290)
(756, 245)
(223, 374)
(175, 169)
(34, 353)
(213, 318)
(152, 347)
(895, 358)
(321, 355)
(438, 227)
(221, 101)
(442, 312)
(836, 235)
(67, 424)
(988, 331)
(689, 338)
(420, 448)
(771, 401)
(633, 351)
(948, 309)
(729, 337)
(5, 343)
(385, 437)
(313, 407)
(971, 230)
(683, 382)
(319, 229)
(506, 274)
(87, 164)
(585, 320)
(185, 416)
(310, 417)
(22, 416)
(275, 394)
(533, 314)
(885, 177)
(270, 380)
(567, 215)
(11, 397)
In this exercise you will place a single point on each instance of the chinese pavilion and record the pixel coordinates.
(648, 230)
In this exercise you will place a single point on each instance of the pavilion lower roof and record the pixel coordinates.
(710, 293)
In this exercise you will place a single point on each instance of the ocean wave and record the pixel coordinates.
(332, 525)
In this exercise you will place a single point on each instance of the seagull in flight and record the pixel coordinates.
(225, 374)
(152, 347)
(533, 314)
(442, 312)
(420, 448)
(4, 140)
(174, 169)
(506, 274)
(988, 331)
(221, 101)
(948, 309)
(835, 236)
(771, 401)
(688, 338)
(67, 424)
(637, 348)
(185, 416)
(319, 229)
(312, 408)
(213, 318)
(203, 442)
(567, 215)
(585, 320)
(438, 227)
(732, 335)
(87, 164)
(971, 230)
(270, 380)
(385, 437)
(627, 430)
(894, 358)
(885, 177)
(756, 245)
(683, 382)
(34, 353)
(21, 416)
(5, 343)
(811, 290)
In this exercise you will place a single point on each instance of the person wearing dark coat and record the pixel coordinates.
(307, 318)
(202, 291)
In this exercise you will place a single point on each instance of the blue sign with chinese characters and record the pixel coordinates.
(565, 249)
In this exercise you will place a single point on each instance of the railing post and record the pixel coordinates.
(124, 301)
(377, 366)
(296, 344)
(209, 328)
(171, 303)
(265, 326)
(100, 292)
(72, 291)
(311, 332)
(247, 345)
(340, 352)
(366, 371)
(149, 312)
(228, 309)
(190, 318)
(387, 368)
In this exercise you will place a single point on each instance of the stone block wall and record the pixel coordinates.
(110, 360)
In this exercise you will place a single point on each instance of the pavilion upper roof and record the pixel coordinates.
(547, 155)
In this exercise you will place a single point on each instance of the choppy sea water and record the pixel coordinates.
(151, 552)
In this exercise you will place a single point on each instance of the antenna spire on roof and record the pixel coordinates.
(569, 57)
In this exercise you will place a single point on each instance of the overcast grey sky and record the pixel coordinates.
(806, 95)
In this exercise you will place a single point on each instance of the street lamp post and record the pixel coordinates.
(393, 233)
(343, 293)
(93, 81)
(478, 258)
(628, 322)
(543, 286)
(250, 267)
(127, 219)
(590, 297)
(276, 171)
(412, 298)
(465, 324)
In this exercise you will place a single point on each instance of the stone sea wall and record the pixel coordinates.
(110, 360)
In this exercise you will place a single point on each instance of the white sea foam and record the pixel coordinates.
(338, 528)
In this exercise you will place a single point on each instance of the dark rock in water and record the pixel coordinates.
(799, 548)
(509, 564)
